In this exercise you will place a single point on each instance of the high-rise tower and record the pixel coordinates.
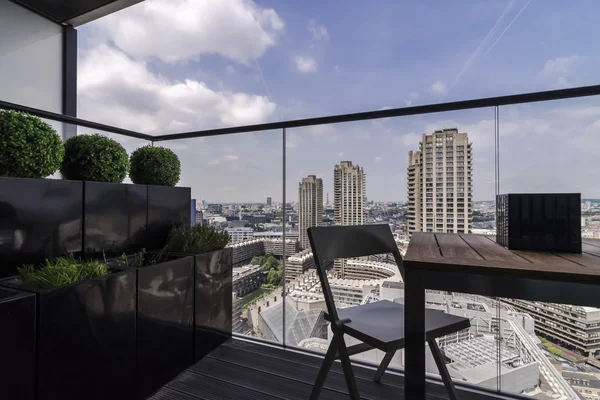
(310, 212)
(440, 183)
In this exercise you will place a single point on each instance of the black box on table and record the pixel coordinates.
(539, 221)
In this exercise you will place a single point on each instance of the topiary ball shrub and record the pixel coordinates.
(29, 147)
(155, 166)
(94, 158)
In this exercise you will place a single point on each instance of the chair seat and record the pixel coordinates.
(381, 324)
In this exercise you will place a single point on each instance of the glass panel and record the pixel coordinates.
(552, 147)
(365, 181)
(236, 182)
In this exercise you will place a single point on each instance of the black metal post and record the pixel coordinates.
(414, 332)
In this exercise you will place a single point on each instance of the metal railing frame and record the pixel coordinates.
(524, 98)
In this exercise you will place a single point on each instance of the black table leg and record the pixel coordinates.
(414, 332)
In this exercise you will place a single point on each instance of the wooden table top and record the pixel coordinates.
(480, 254)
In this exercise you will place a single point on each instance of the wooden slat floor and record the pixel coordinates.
(243, 370)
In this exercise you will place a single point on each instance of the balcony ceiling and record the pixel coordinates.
(75, 12)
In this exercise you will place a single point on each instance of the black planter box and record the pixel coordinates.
(165, 322)
(539, 222)
(86, 338)
(213, 309)
(167, 206)
(41, 218)
(17, 344)
(114, 218)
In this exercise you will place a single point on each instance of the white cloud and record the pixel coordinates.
(320, 130)
(231, 157)
(559, 66)
(439, 87)
(412, 96)
(561, 83)
(319, 32)
(305, 64)
(410, 140)
(292, 140)
(117, 90)
(230, 70)
(378, 159)
(340, 154)
(177, 30)
(336, 68)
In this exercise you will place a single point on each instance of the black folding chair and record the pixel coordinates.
(379, 325)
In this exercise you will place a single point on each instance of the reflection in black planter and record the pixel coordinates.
(17, 344)
(115, 218)
(213, 287)
(41, 218)
(167, 206)
(86, 331)
(165, 316)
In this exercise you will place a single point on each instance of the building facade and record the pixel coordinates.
(247, 279)
(349, 186)
(574, 327)
(440, 183)
(269, 201)
(310, 206)
(239, 235)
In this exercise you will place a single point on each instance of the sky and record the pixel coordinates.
(167, 66)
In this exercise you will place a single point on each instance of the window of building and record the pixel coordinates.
(460, 147)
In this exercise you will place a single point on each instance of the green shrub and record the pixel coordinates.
(140, 259)
(554, 351)
(29, 147)
(155, 166)
(197, 239)
(94, 158)
(60, 272)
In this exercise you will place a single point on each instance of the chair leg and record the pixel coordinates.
(383, 365)
(347, 366)
(439, 360)
(325, 367)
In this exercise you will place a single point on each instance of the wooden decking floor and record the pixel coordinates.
(243, 370)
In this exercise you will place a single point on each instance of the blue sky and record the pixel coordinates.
(166, 66)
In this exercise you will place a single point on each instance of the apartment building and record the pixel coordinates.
(440, 183)
(574, 327)
(238, 235)
(310, 206)
(247, 279)
(349, 197)
(298, 264)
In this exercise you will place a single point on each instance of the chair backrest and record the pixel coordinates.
(331, 242)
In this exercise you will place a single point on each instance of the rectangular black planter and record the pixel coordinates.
(41, 218)
(539, 221)
(165, 317)
(86, 338)
(17, 344)
(213, 308)
(167, 206)
(114, 218)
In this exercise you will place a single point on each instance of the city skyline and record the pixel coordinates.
(282, 61)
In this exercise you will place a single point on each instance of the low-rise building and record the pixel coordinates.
(247, 279)
(238, 235)
(298, 264)
(574, 327)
